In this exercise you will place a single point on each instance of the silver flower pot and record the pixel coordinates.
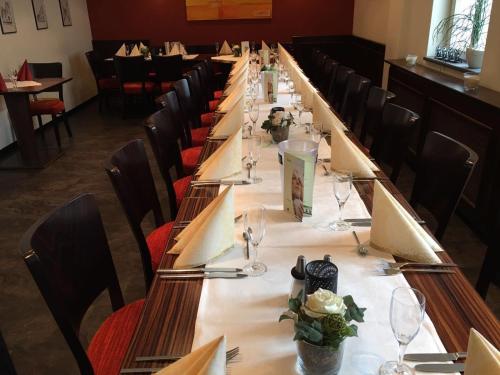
(279, 134)
(318, 360)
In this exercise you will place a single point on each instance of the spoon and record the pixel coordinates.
(247, 240)
(249, 168)
(362, 250)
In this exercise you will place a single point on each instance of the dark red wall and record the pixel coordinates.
(161, 20)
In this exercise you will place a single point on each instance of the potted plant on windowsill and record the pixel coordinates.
(464, 31)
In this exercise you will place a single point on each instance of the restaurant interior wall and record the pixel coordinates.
(57, 43)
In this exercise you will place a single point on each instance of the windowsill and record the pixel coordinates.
(460, 67)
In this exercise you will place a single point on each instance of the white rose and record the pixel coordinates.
(324, 302)
(277, 118)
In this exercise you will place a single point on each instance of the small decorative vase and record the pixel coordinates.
(474, 58)
(318, 360)
(279, 134)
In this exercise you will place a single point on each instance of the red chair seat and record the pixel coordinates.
(181, 187)
(135, 88)
(199, 136)
(212, 105)
(207, 119)
(46, 107)
(190, 158)
(166, 87)
(157, 243)
(109, 84)
(111, 341)
(218, 94)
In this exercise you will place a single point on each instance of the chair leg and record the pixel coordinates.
(55, 124)
(40, 126)
(66, 124)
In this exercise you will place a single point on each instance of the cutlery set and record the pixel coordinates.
(437, 357)
(396, 268)
(201, 273)
(367, 222)
(220, 182)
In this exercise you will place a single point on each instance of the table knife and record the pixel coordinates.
(221, 182)
(189, 270)
(434, 357)
(145, 370)
(367, 222)
(444, 368)
(211, 275)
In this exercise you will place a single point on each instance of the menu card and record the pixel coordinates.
(270, 86)
(298, 184)
(264, 56)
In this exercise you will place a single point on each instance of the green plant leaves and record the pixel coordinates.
(353, 312)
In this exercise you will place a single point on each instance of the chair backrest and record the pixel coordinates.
(390, 142)
(68, 255)
(210, 78)
(187, 104)
(159, 128)
(353, 104)
(328, 76)
(129, 171)
(170, 101)
(167, 68)
(318, 64)
(443, 170)
(203, 76)
(130, 68)
(48, 70)
(193, 79)
(337, 90)
(6, 364)
(94, 64)
(377, 97)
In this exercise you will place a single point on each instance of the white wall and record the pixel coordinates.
(404, 27)
(57, 43)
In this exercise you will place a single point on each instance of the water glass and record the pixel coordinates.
(13, 77)
(254, 116)
(254, 223)
(342, 185)
(254, 147)
(299, 106)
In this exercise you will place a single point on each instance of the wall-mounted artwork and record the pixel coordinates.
(202, 10)
(65, 13)
(7, 20)
(40, 14)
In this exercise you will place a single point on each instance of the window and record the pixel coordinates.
(461, 33)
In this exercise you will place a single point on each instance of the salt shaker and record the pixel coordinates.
(327, 258)
(298, 277)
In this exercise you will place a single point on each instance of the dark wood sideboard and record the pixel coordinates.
(471, 118)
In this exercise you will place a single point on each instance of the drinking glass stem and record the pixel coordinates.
(300, 121)
(253, 255)
(341, 207)
(402, 351)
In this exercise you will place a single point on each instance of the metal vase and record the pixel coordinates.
(279, 134)
(318, 360)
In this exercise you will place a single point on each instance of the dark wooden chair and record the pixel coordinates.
(443, 170)
(390, 142)
(68, 256)
(6, 364)
(337, 90)
(213, 81)
(318, 63)
(377, 97)
(353, 104)
(489, 270)
(53, 107)
(168, 69)
(193, 79)
(107, 84)
(129, 171)
(328, 76)
(168, 156)
(209, 104)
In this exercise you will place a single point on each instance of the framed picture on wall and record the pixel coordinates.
(7, 20)
(65, 13)
(40, 14)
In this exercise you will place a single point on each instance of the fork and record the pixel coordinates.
(397, 265)
(362, 250)
(397, 271)
(327, 172)
(230, 354)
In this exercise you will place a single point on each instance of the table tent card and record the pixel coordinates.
(231, 122)
(482, 357)
(395, 231)
(346, 156)
(264, 46)
(323, 115)
(298, 184)
(225, 161)
(225, 49)
(245, 46)
(135, 51)
(210, 359)
(209, 235)
(122, 51)
(270, 86)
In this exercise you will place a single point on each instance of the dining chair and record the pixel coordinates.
(168, 156)
(68, 255)
(193, 79)
(130, 174)
(337, 90)
(489, 267)
(133, 77)
(377, 97)
(353, 104)
(213, 79)
(53, 107)
(443, 170)
(6, 364)
(209, 104)
(168, 69)
(319, 62)
(328, 76)
(390, 142)
(107, 84)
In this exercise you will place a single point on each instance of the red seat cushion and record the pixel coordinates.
(136, 87)
(190, 158)
(157, 243)
(111, 341)
(199, 136)
(181, 187)
(218, 94)
(212, 105)
(207, 119)
(109, 84)
(46, 107)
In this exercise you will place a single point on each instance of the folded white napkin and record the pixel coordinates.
(141, 46)
(209, 234)
(308, 93)
(323, 114)
(183, 50)
(346, 156)
(135, 51)
(245, 46)
(395, 231)
(167, 48)
(122, 51)
(264, 46)
(210, 359)
(175, 50)
(225, 161)
(482, 357)
(241, 80)
(225, 49)
(231, 122)
(230, 101)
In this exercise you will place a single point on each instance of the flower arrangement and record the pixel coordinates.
(324, 319)
(277, 119)
(236, 50)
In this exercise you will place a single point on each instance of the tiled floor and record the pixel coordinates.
(35, 342)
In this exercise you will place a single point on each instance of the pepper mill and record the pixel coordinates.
(298, 274)
(327, 258)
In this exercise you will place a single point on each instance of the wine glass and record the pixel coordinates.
(315, 131)
(406, 315)
(217, 48)
(342, 185)
(299, 106)
(254, 147)
(254, 222)
(13, 77)
(291, 87)
(254, 116)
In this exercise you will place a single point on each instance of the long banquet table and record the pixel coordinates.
(181, 314)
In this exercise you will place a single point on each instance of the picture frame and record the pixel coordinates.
(65, 13)
(40, 14)
(7, 19)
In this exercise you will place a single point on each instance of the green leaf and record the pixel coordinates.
(353, 312)
(295, 303)
(285, 317)
(306, 332)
